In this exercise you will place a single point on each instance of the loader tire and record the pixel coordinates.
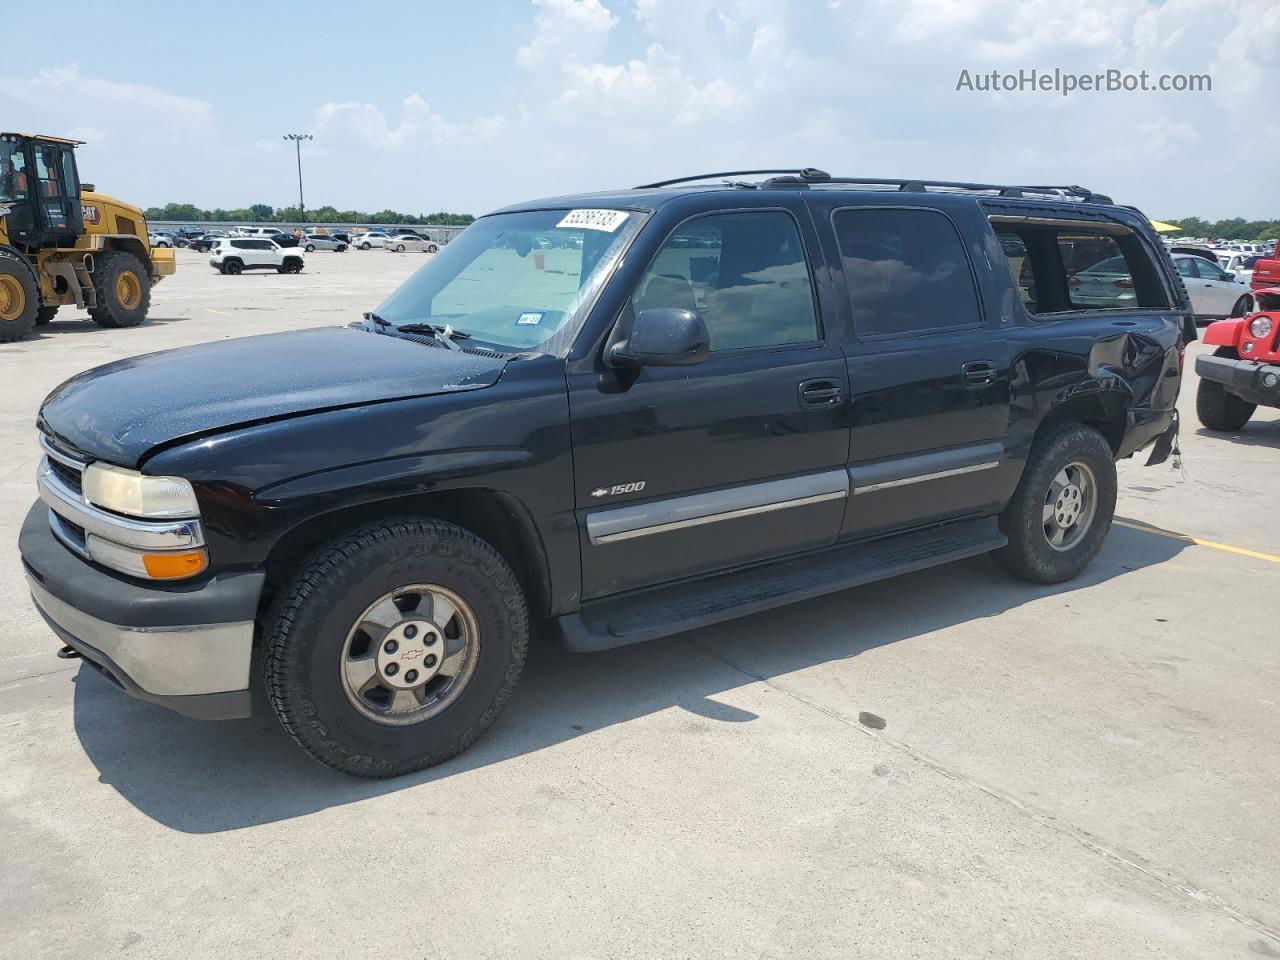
(123, 290)
(19, 297)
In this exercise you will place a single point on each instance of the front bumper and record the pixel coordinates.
(1247, 379)
(183, 646)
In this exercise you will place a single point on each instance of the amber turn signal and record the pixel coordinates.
(174, 566)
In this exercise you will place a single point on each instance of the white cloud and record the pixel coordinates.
(563, 28)
(364, 124)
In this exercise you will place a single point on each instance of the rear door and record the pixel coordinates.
(681, 471)
(928, 372)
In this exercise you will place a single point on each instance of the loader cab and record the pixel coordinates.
(40, 184)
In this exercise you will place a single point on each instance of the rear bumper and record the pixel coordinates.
(1247, 379)
(185, 647)
(163, 263)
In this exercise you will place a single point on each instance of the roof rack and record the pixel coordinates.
(807, 177)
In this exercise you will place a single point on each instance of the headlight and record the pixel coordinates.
(1260, 327)
(131, 493)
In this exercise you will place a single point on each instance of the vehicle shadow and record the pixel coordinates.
(78, 325)
(200, 777)
(1255, 433)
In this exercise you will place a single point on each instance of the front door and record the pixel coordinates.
(928, 375)
(684, 470)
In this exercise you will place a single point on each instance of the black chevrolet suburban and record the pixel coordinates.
(603, 418)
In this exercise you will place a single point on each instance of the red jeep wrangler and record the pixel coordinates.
(1244, 371)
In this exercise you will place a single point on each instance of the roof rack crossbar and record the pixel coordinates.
(808, 175)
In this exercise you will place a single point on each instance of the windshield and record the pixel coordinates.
(522, 281)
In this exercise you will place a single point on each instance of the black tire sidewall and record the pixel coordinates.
(109, 312)
(1028, 553)
(232, 267)
(16, 329)
(311, 700)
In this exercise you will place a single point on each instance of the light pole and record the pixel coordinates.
(297, 139)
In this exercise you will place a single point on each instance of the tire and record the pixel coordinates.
(341, 248)
(1078, 452)
(122, 288)
(291, 265)
(432, 248)
(364, 246)
(45, 314)
(310, 248)
(233, 268)
(399, 248)
(1242, 307)
(1216, 408)
(311, 634)
(19, 297)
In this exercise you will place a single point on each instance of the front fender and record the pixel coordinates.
(1224, 333)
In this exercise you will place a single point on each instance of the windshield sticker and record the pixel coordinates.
(605, 220)
(528, 319)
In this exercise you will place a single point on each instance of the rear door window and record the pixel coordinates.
(906, 271)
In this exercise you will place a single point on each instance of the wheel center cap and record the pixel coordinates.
(410, 654)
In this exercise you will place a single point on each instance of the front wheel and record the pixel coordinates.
(396, 646)
(292, 265)
(399, 248)
(310, 248)
(1216, 408)
(1243, 307)
(1061, 511)
(122, 289)
(432, 248)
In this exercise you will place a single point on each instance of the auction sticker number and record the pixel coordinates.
(604, 220)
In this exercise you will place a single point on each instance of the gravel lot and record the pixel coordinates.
(1087, 771)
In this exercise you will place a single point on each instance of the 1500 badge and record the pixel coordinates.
(618, 488)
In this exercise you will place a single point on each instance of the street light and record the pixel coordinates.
(297, 139)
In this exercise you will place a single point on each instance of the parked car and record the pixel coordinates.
(409, 241)
(321, 241)
(369, 239)
(837, 386)
(159, 240)
(1214, 293)
(285, 240)
(235, 255)
(1244, 371)
(1240, 265)
(208, 241)
(342, 235)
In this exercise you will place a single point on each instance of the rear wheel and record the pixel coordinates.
(310, 248)
(432, 248)
(399, 248)
(123, 290)
(19, 298)
(1216, 408)
(1061, 512)
(396, 646)
(364, 246)
(232, 267)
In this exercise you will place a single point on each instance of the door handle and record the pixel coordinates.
(978, 373)
(821, 393)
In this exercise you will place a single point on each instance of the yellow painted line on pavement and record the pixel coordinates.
(1185, 538)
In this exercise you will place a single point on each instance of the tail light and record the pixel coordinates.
(1124, 283)
(1182, 355)
(1073, 281)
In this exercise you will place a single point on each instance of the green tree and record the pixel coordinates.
(261, 211)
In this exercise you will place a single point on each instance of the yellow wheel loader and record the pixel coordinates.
(64, 244)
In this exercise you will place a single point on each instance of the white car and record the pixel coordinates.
(322, 241)
(159, 240)
(237, 254)
(410, 241)
(1214, 295)
(1241, 264)
(370, 238)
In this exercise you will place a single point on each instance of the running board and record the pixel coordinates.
(674, 608)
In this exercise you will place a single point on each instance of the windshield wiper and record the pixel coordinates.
(446, 334)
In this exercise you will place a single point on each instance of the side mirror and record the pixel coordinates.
(660, 337)
(1230, 275)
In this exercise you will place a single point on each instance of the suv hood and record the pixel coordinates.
(120, 411)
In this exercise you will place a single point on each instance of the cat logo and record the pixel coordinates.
(89, 213)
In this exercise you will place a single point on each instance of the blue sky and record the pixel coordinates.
(469, 105)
